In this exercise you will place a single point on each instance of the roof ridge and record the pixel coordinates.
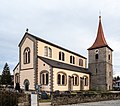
(40, 39)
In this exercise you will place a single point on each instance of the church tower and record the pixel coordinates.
(100, 62)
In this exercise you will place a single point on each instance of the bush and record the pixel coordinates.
(8, 98)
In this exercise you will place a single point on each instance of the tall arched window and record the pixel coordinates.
(80, 62)
(45, 51)
(50, 52)
(17, 78)
(26, 55)
(75, 79)
(61, 56)
(44, 77)
(61, 78)
(72, 59)
(85, 80)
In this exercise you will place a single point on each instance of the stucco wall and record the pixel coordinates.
(68, 73)
(27, 43)
(42, 66)
(27, 74)
(55, 54)
(27, 71)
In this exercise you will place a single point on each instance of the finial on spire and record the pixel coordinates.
(99, 15)
(27, 30)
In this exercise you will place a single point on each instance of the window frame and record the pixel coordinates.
(86, 81)
(75, 83)
(61, 56)
(63, 76)
(26, 55)
(44, 77)
(72, 59)
(96, 56)
(80, 62)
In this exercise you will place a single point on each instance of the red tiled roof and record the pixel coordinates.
(100, 39)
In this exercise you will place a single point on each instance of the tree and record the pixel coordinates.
(6, 76)
(118, 77)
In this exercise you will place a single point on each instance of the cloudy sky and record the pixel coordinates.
(69, 23)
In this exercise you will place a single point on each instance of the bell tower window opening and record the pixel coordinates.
(96, 56)
(109, 56)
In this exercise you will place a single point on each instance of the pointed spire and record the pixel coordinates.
(100, 39)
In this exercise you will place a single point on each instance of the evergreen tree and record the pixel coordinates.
(118, 77)
(6, 76)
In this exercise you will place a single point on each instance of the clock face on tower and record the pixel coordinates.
(96, 51)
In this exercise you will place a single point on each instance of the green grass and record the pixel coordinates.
(45, 100)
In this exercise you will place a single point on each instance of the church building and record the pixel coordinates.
(53, 67)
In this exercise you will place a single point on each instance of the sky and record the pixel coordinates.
(71, 24)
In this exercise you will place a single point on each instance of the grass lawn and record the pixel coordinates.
(45, 100)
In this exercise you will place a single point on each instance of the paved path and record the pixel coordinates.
(101, 103)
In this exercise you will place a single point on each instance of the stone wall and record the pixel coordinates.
(81, 98)
(24, 100)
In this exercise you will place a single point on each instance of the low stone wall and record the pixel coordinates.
(81, 98)
(24, 100)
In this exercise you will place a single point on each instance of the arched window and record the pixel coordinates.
(44, 77)
(50, 52)
(80, 62)
(85, 81)
(61, 78)
(26, 55)
(45, 51)
(17, 78)
(61, 56)
(72, 59)
(47, 78)
(75, 79)
(109, 57)
(96, 56)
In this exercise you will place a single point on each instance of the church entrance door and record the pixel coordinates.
(26, 84)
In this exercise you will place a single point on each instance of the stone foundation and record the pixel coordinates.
(81, 98)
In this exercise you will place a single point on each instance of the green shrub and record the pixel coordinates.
(9, 98)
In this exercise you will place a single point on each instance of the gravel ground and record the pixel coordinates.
(101, 103)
